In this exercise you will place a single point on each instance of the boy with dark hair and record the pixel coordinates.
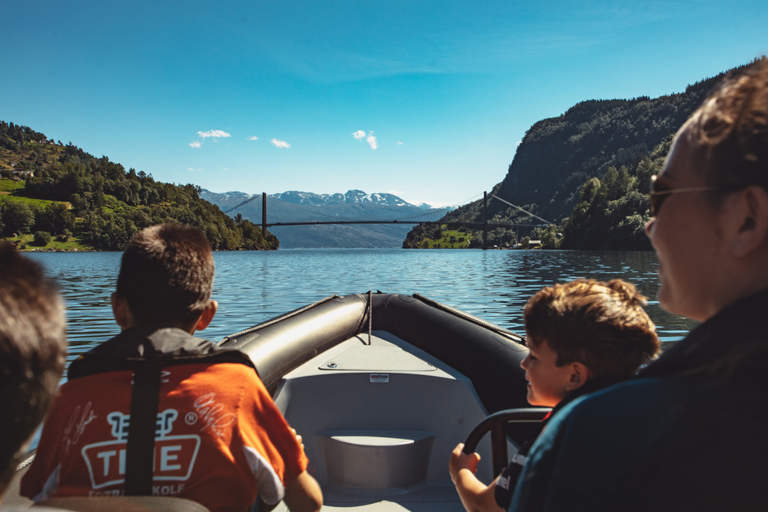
(32, 354)
(156, 411)
(166, 276)
(582, 336)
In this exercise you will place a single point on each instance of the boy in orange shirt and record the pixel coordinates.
(582, 336)
(157, 411)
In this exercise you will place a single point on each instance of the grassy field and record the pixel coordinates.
(446, 243)
(9, 186)
(27, 243)
(19, 199)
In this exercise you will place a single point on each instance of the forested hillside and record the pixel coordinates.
(68, 197)
(612, 211)
(588, 170)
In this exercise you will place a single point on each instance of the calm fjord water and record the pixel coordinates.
(255, 286)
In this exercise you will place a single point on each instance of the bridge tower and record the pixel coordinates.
(485, 220)
(264, 214)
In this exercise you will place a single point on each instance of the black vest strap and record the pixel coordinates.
(140, 449)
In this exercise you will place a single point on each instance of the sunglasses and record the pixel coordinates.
(658, 195)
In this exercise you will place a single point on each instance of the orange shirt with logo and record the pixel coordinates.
(219, 440)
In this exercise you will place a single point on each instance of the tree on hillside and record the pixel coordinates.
(17, 217)
(611, 213)
(55, 219)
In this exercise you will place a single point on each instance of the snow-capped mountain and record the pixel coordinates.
(310, 198)
(355, 204)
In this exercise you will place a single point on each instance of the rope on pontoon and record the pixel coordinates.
(278, 319)
(370, 314)
(470, 318)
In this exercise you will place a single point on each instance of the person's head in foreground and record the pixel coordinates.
(32, 353)
(711, 235)
(166, 278)
(584, 330)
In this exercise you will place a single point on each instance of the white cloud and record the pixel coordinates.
(193, 169)
(253, 138)
(360, 134)
(519, 142)
(399, 143)
(214, 133)
(372, 141)
(224, 168)
(195, 144)
(280, 143)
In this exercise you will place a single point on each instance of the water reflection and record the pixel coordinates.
(254, 286)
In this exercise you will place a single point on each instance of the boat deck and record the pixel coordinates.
(379, 422)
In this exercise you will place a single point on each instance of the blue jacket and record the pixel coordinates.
(690, 433)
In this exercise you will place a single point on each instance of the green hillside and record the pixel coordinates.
(58, 197)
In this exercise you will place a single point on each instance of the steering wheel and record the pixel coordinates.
(496, 423)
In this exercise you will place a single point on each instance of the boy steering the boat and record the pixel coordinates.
(156, 411)
(582, 336)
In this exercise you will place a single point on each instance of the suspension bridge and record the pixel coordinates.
(275, 212)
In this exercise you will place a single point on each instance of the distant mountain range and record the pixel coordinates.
(351, 197)
(296, 206)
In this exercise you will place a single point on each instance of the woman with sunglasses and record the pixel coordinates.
(691, 431)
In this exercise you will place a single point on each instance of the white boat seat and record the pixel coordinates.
(376, 459)
(381, 417)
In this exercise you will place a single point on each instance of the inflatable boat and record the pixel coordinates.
(383, 386)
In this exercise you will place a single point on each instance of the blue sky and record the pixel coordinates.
(424, 99)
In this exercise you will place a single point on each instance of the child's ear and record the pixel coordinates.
(579, 376)
(121, 312)
(207, 315)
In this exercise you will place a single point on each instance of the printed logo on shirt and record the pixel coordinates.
(174, 459)
(212, 414)
(76, 426)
